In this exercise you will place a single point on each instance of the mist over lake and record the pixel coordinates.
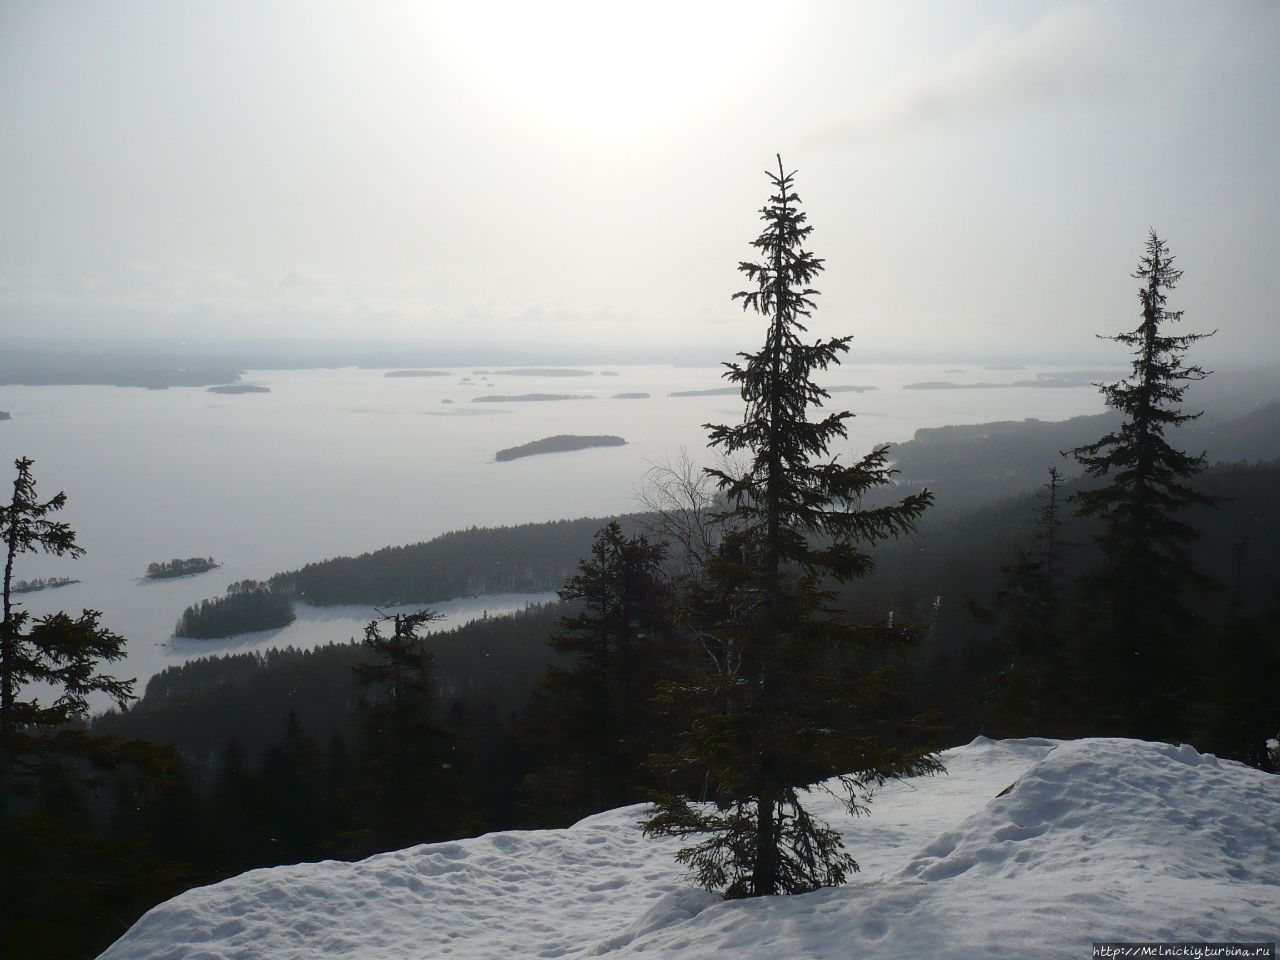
(342, 461)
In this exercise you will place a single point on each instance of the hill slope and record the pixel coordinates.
(1098, 840)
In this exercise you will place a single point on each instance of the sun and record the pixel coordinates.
(608, 64)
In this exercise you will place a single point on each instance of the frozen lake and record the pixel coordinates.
(343, 461)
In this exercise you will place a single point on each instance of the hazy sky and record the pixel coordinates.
(981, 175)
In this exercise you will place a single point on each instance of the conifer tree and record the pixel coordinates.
(786, 701)
(1027, 621)
(619, 640)
(408, 791)
(60, 650)
(1138, 590)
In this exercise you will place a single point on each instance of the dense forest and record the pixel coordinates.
(530, 558)
(248, 606)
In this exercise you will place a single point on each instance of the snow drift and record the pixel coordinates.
(1096, 840)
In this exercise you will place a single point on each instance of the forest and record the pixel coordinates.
(246, 607)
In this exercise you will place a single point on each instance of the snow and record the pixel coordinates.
(1097, 840)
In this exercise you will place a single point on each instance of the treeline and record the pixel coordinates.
(41, 583)
(986, 593)
(249, 606)
(530, 558)
(167, 569)
(974, 465)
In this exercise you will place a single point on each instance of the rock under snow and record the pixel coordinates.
(1097, 840)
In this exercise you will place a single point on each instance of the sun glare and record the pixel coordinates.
(606, 64)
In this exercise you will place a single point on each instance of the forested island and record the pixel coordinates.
(530, 397)
(249, 606)
(528, 558)
(238, 388)
(548, 372)
(46, 583)
(558, 444)
(4, 415)
(735, 391)
(168, 569)
(1067, 379)
(710, 392)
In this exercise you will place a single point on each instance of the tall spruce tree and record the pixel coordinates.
(788, 699)
(59, 650)
(1138, 591)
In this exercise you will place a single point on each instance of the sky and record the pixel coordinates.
(981, 177)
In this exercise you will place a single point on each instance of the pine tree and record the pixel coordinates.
(786, 700)
(1138, 590)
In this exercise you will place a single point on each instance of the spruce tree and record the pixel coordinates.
(598, 724)
(1024, 690)
(1138, 591)
(60, 650)
(407, 791)
(788, 698)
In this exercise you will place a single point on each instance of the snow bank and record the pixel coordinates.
(1096, 840)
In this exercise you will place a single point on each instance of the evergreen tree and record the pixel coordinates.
(407, 791)
(600, 720)
(60, 650)
(784, 702)
(1138, 592)
(1026, 687)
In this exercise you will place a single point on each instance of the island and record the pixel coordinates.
(167, 570)
(529, 397)
(631, 396)
(1065, 379)
(546, 372)
(4, 415)
(248, 607)
(417, 373)
(238, 388)
(31, 586)
(948, 385)
(713, 392)
(557, 444)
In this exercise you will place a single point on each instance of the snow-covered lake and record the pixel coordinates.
(343, 461)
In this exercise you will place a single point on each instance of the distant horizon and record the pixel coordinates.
(296, 352)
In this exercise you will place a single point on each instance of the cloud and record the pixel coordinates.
(1062, 57)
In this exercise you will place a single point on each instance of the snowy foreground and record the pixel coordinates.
(1098, 840)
